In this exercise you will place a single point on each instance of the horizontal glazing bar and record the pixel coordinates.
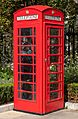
(55, 63)
(55, 45)
(27, 64)
(55, 82)
(26, 73)
(26, 54)
(26, 45)
(55, 72)
(55, 36)
(54, 54)
(26, 36)
(55, 91)
(26, 91)
(26, 82)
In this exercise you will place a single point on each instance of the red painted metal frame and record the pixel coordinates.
(41, 105)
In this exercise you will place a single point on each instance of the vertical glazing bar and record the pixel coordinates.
(33, 62)
(48, 64)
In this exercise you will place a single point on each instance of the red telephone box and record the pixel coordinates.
(38, 59)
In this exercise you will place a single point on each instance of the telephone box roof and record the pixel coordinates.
(36, 7)
(39, 7)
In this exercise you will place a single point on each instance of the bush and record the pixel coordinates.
(6, 75)
(70, 75)
(73, 92)
(6, 93)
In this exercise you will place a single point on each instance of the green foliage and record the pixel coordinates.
(73, 92)
(71, 72)
(6, 93)
(69, 8)
(6, 75)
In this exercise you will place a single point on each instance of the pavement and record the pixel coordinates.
(62, 114)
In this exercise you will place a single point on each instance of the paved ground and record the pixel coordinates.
(62, 114)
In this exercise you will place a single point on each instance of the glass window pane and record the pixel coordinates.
(19, 86)
(26, 41)
(26, 68)
(53, 59)
(26, 59)
(34, 69)
(26, 77)
(34, 50)
(54, 50)
(53, 77)
(34, 78)
(53, 41)
(53, 95)
(34, 96)
(26, 87)
(27, 96)
(19, 94)
(34, 59)
(34, 31)
(54, 31)
(34, 87)
(19, 77)
(26, 50)
(34, 41)
(25, 31)
(19, 69)
(54, 86)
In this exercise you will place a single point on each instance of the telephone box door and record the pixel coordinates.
(54, 68)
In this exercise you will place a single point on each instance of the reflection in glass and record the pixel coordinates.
(26, 77)
(54, 31)
(26, 87)
(27, 96)
(53, 50)
(26, 59)
(26, 41)
(53, 41)
(25, 31)
(53, 77)
(53, 68)
(53, 59)
(54, 86)
(25, 68)
(53, 95)
(26, 50)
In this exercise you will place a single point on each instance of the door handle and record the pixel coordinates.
(45, 59)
